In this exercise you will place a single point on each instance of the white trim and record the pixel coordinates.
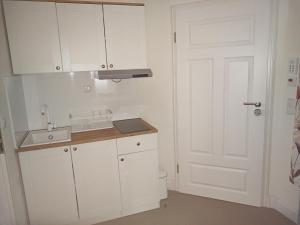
(171, 184)
(174, 72)
(269, 103)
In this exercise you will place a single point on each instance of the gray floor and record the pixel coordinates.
(182, 209)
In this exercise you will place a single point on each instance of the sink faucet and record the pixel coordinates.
(45, 112)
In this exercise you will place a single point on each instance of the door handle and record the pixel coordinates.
(256, 104)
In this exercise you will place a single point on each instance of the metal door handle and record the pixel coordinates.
(256, 104)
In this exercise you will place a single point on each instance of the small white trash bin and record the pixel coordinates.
(163, 184)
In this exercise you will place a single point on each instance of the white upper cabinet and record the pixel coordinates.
(125, 36)
(33, 36)
(46, 37)
(82, 36)
(49, 186)
(97, 180)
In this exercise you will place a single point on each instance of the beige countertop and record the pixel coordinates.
(90, 136)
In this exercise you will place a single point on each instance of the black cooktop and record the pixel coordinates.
(130, 126)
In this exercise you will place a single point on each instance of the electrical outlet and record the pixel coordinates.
(292, 81)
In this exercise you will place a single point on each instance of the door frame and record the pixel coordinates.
(265, 196)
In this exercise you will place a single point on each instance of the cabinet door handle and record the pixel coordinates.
(138, 144)
(66, 150)
(111, 65)
(58, 68)
(74, 149)
(122, 159)
(102, 66)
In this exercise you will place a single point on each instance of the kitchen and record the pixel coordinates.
(62, 83)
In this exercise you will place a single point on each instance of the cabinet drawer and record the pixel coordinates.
(137, 143)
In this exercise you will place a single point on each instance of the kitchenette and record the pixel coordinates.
(90, 176)
(85, 153)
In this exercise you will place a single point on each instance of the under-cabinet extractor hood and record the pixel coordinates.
(123, 74)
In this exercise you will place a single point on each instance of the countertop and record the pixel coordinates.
(90, 136)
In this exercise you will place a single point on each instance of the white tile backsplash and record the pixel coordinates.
(66, 93)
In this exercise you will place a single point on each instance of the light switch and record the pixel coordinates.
(293, 66)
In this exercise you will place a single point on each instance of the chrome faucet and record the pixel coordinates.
(45, 112)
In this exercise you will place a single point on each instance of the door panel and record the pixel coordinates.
(238, 83)
(221, 60)
(201, 105)
(82, 36)
(33, 36)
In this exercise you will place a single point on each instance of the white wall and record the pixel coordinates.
(284, 196)
(158, 93)
(67, 94)
(12, 163)
(15, 98)
(6, 212)
(5, 66)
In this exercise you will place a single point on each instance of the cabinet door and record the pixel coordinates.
(97, 180)
(139, 181)
(82, 36)
(49, 186)
(125, 36)
(33, 36)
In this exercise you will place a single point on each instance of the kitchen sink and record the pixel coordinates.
(41, 137)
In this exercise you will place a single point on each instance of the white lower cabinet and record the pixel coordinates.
(139, 181)
(90, 183)
(49, 186)
(97, 180)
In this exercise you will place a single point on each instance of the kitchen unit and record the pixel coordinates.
(97, 176)
(47, 37)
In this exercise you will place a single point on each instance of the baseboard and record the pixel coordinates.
(277, 205)
(171, 184)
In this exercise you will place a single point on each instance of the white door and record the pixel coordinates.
(125, 36)
(221, 58)
(82, 36)
(33, 36)
(139, 181)
(97, 180)
(49, 186)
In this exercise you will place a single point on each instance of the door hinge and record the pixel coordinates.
(177, 168)
(175, 37)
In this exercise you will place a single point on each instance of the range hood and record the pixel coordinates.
(123, 74)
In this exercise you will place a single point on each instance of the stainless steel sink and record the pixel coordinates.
(40, 137)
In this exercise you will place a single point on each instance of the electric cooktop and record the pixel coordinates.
(130, 126)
